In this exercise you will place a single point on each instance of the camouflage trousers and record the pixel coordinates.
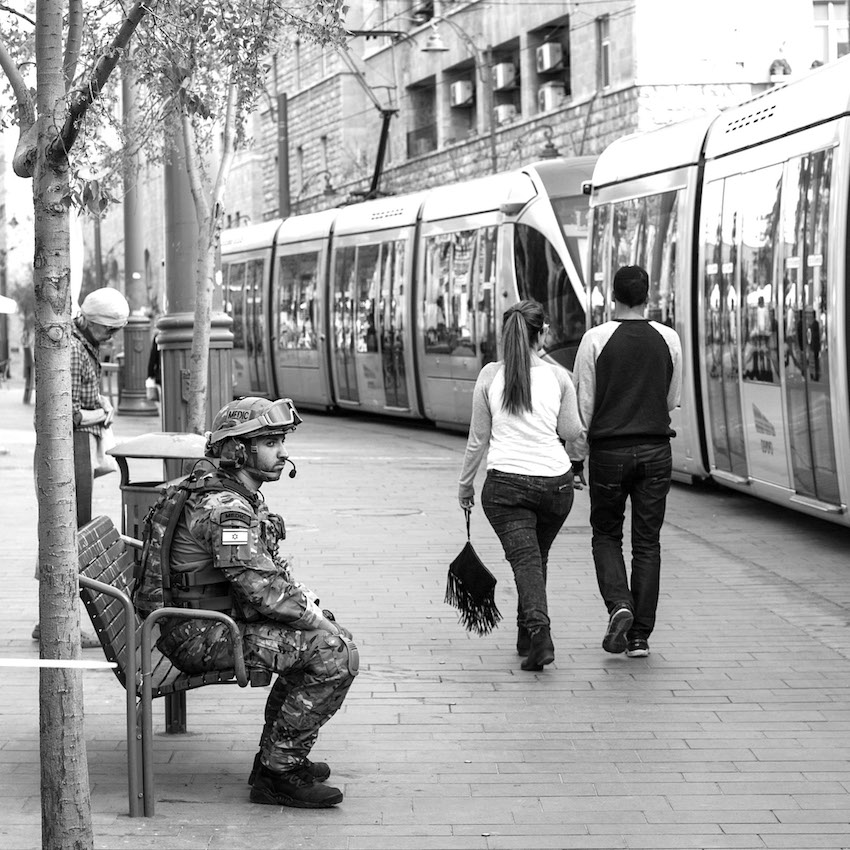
(315, 670)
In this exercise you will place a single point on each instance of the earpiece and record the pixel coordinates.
(233, 454)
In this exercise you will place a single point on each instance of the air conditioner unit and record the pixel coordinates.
(550, 57)
(550, 96)
(504, 76)
(461, 93)
(505, 112)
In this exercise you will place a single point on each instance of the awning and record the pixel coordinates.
(7, 305)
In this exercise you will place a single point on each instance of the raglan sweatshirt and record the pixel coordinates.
(628, 376)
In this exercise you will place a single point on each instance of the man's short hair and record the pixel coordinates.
(631, 286)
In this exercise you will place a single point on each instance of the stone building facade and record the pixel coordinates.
(482, 86)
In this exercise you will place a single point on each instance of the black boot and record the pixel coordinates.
(542, 650)
(317, 769)
(295, 788)
(523, 641)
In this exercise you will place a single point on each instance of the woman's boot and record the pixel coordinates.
(542, 650)
(523, 641)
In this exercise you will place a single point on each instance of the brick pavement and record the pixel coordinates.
(734, 733)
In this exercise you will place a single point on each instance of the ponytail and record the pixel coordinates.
(521, 326)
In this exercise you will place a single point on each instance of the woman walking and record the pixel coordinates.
(523, 412)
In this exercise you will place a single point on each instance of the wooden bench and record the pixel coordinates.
(106, 575)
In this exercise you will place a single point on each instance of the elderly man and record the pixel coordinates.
(102, 314)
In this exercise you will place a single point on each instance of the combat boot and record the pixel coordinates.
(296, 788)
(318, 769)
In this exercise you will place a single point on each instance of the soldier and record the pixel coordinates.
(222, 554)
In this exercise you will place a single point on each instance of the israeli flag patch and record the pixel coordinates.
(234, 536)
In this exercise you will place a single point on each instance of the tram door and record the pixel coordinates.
(805, 325)
(369, 325)
(722, 324)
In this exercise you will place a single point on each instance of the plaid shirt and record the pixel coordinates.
(85, 379)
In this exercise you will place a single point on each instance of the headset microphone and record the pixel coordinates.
(292, 472)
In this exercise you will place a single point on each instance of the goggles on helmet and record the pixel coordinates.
(280, 416)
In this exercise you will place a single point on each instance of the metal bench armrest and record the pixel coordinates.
(192, 614)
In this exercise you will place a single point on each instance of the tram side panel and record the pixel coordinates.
(773, 315)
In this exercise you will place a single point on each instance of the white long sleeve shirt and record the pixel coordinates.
(531, 443)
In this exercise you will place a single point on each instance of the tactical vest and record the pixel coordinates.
(156, 583)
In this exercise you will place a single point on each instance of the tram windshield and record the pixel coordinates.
(572, 214)
(542, 277)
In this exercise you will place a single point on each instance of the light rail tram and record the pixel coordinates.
(392, 306)
(741, 219)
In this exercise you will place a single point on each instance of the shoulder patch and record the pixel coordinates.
(238, 517)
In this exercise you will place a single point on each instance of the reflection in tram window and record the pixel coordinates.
(807, 357)
(485, 269)
(541, 276)
(598, 268)
(368, 273)
(343, 323)
(449, 309)
(234, 301)
(644, 233)
(759, 257)
(297, 302)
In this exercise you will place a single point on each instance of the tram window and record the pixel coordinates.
(541, 276)
(449, 308)
(644, 233)
(760, 225)
(598, 269)
(234, 301)
(485, 264)
(572, 213)
(297, 301)
(368, 274)
(253, 305)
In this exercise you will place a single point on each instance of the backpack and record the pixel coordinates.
(152, 573)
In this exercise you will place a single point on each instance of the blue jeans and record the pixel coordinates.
(641, 473)
(527, 512)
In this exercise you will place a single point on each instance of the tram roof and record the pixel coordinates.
(483, 194)
(380, 214)
(300, 228)
(563, 176)
(817, 96)
(250, 237)
(641, 154)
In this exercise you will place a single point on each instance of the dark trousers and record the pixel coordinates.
(527, 512)
(640, 473)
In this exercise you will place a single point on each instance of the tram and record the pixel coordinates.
(392, 306)
(741, 219)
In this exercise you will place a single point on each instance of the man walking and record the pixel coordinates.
(628, 375)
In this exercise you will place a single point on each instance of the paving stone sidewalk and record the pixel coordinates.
(734, 733)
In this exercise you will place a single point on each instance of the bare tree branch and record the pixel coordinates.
(5, 8)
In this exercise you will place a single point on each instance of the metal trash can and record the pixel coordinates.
(138, 497)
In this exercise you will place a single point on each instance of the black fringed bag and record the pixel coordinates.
(471, 588)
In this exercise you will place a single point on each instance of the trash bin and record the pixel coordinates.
(137, 497)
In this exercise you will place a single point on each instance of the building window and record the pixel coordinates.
(603, 41)
(422, 137)
(830, 30)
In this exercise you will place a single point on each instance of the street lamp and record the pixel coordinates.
(435, 44)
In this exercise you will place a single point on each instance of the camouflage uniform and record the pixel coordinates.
(234, 539)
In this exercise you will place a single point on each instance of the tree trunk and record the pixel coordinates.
(65, 800)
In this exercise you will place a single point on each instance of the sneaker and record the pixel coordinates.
(637, 648)
(296, 788)
(318, 769)
(620, 622)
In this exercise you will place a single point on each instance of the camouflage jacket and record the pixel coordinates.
(222, 530)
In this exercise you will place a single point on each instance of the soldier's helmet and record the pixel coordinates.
(250, 417)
